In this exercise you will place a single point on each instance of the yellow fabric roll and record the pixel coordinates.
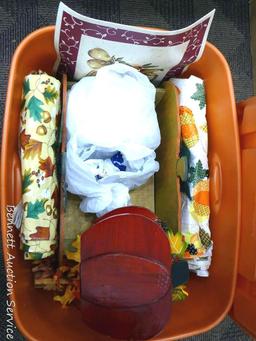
(38, 129)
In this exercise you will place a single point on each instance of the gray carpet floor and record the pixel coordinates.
(230, 32)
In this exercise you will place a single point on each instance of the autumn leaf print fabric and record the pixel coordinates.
(195, 190)
(38, 129)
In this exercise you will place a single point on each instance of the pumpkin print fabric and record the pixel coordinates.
(195, 191)
(38, 131)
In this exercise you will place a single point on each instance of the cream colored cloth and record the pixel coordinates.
(41, 105)
(195, 191)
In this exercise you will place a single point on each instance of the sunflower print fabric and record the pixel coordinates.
(38, 130)
(195, 191)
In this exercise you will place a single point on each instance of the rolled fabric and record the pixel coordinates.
(38, 129)
(195, 191)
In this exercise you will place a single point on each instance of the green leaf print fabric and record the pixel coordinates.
(38, 130)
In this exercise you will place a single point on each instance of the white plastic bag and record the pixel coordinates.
(115, 110)
(110, 115)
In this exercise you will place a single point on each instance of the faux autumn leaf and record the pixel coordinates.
(179, 293)
(34, 107)
(75, 255)
(177, 243)
(47, 166)
(32, 149)
(26, 181)
(24, 139)
(50, 94)
(36, 208)
(68, 297)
